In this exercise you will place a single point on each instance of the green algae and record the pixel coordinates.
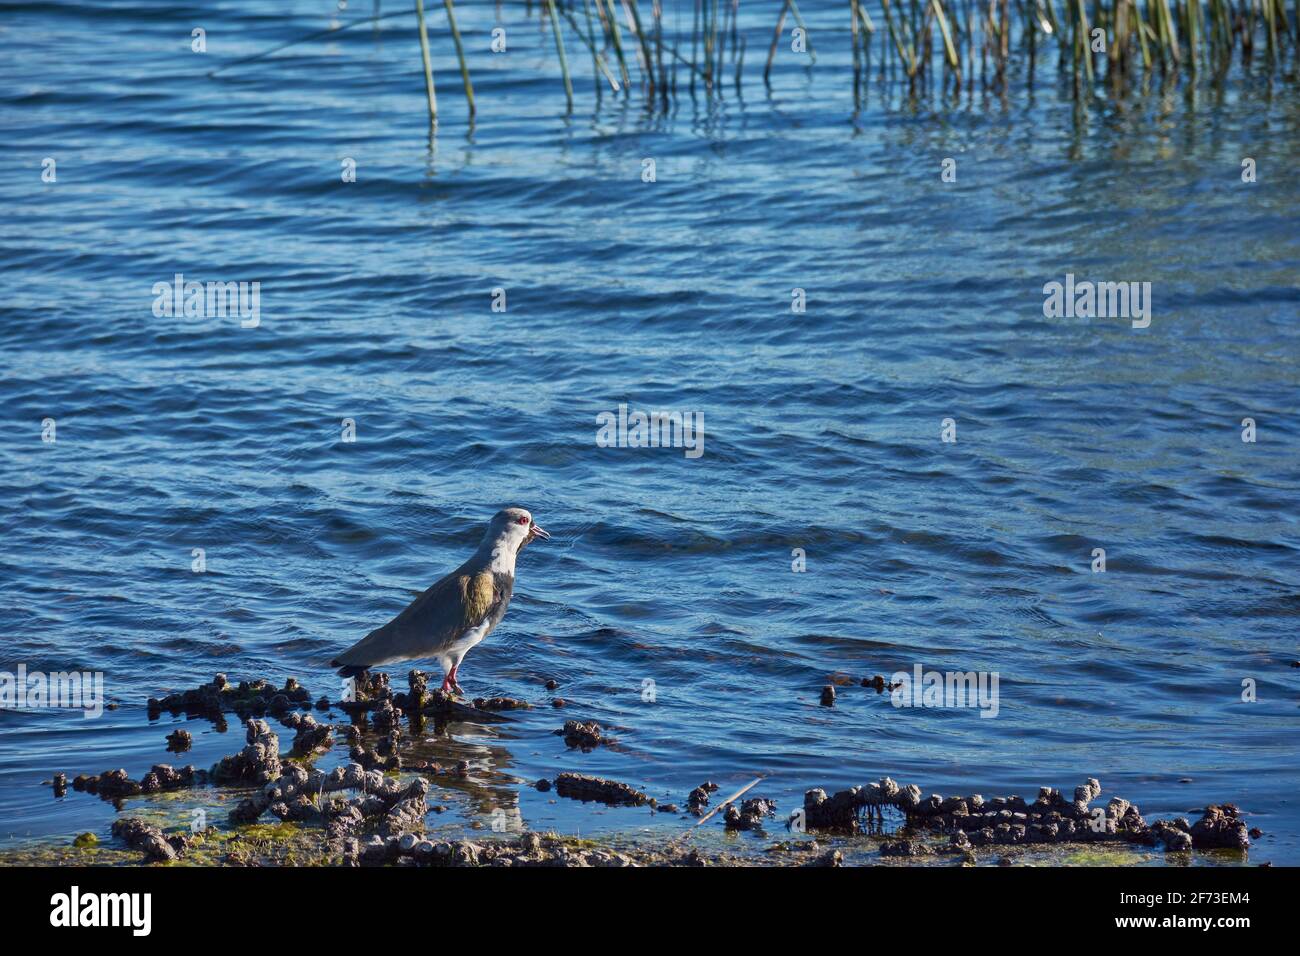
(1086, 855)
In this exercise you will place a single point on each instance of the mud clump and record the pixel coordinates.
(500, 703)
(312, 796)
(162, 777)
(839, 812)
(258, 762)
(373, 694)
(582, 787)
(117, 785)
(879, 684)
(698, 798)
(904, 848)
(309, 735)
(750, 814)
(255, 698)
(150, 840)
(417, 695)
(530, 850)
(179, 741)
(386, 716)
(586, 736)
(408, 811)
(1220, 828)
(386, 753)
(973, 821)
(371, 688)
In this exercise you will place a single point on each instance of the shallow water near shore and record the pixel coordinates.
(670, 573)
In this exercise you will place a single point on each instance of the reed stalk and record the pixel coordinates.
(776, 39)
(649, 63)
(865, 17)
(460, 55)
(591, 31)
(695, 41)
(908, 57)
(948, 47)
(1085, 35)
(1142, 31)
(597, 60)
(559, 48)
(807, 35)
(617, 38)
(1189, 40)
(430, 93)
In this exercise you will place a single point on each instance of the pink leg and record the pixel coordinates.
(447, 682)
(451, 676)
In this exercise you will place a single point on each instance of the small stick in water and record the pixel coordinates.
(730, 800)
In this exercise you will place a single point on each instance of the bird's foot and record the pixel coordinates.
(457, 689)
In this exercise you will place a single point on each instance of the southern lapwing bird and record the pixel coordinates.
(457, 612)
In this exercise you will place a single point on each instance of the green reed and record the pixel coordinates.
(1100, 46)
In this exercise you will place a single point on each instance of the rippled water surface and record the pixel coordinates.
(822, 429)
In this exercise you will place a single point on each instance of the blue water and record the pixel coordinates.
(822, 428)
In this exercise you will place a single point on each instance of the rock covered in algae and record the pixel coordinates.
(157, 847)
(530, 850)
(314, 796)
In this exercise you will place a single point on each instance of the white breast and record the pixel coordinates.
(453, 655)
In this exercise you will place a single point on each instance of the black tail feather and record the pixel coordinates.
(349, 670)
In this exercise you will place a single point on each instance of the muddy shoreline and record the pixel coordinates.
(376, 810)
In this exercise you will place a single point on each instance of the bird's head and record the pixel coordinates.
(515, 527)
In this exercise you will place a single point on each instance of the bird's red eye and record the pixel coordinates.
(523, 521)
